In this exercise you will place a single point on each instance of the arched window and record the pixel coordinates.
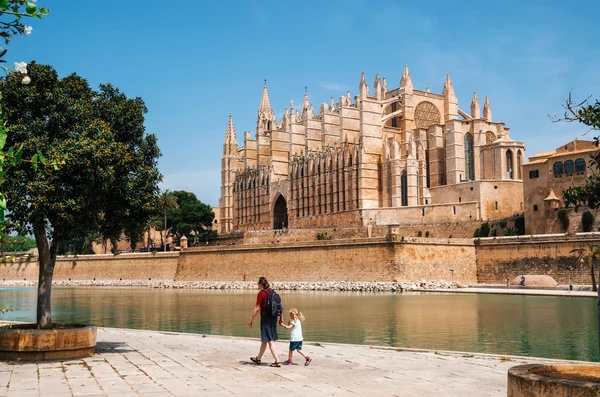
(558, 169)
(469, 161)
(519, 164)
(580, 166)
(569, 167)
(404, 188)
(269, 125)
(509, 164)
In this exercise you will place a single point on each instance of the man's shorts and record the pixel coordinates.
(295, 345)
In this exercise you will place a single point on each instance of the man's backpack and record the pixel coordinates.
(274, 306)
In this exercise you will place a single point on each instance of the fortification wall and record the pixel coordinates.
(159, 266)
(504, 258)
(350, 260)
(486, 260)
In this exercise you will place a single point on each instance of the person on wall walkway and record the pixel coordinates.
(268, 321)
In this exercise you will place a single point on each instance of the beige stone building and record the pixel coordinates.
(386, 156)
(547, 175)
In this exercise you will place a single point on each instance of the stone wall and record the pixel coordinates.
(553, 224)
(374, 259)
(504, 258)
(393, 257)
(159, 266)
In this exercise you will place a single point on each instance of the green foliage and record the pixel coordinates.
(191, 217)
(587, 221)
(520, 224)
(107, 179)
(18, 244)
(503, 223)
(419, 234)
(588, 194)
(563, 217)
(476, 234)
(322, 236)
(484, 230)
(590, 254)
(511, 231)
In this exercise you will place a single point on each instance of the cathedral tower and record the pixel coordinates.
(229, 165)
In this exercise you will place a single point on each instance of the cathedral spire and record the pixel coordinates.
(450, 101)
(487, 109)
(363, 87)
(265, 104)
(448, 88)
(266, 118)
(230, 137)
(377, 87)
(307, 109)
(406, 81)
(475, 109)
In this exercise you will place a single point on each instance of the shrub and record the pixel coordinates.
(503, 223)
(419, 234)
(322, 236)
(477, 232)
(427, 234)
(484, 230)
(511, 231)
(563, 217)
(587, 221)
(520, 224)
(494, 232)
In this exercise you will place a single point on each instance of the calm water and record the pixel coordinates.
(522, 325)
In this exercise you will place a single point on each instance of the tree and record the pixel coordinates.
(166, 201)
(105, 175)
(589, 194)
(591, 255)
(19, 243)
(587, 114)
(193, 217)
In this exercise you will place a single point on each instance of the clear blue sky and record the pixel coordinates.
(194, 62)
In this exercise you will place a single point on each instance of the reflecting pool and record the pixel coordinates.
(556, 327)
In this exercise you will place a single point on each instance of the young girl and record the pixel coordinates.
(295, 324)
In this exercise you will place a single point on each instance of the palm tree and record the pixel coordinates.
(167, 200)
(591, 254)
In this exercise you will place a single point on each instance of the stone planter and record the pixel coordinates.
(536, 380)
(24, 342)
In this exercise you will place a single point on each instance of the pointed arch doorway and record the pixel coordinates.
(280, 214)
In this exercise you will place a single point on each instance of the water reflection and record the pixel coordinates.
(522, 325)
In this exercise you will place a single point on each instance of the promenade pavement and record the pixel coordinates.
(150, 363)
(515, 291)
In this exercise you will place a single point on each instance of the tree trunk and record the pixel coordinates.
(165, 244)
(594, 288)
(46, 260)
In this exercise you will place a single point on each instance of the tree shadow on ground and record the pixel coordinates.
(113, 347)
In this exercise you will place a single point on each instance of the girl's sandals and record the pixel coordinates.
(275, 364)
(255, 360)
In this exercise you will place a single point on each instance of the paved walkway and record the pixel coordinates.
(516, 291)
(149, 363)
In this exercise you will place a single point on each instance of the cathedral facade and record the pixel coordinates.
(384, 157)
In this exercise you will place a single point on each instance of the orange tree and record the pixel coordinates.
(105, 176)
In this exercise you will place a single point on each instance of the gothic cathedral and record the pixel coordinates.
(391, 157)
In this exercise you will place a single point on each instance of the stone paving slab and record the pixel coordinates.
(514, 291)
(152, 363)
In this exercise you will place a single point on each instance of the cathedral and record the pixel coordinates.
(384, 157)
